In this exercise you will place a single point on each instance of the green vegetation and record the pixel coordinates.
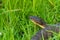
(14, 17)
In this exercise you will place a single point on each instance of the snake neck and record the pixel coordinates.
(43, 26)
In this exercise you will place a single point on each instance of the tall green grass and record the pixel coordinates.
(14, 17)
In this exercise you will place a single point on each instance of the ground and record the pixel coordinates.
(14, 17)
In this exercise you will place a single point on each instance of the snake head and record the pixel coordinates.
(38, 21)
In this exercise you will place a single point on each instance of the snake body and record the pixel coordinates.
(46, 31)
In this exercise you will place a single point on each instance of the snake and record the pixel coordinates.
(46, 31)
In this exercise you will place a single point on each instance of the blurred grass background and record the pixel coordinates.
(14, 17)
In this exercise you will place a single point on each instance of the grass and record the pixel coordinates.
(14, 17)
